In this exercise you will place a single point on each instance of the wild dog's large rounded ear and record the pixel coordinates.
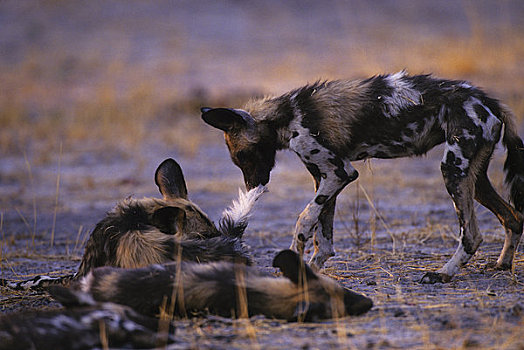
(293, 267)
(169, 220)
(226, 119)
(170, 180)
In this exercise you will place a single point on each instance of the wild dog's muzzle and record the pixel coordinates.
(254, 180)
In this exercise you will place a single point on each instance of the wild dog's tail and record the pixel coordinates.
(235, 218)
(40, 282)
(514, 165)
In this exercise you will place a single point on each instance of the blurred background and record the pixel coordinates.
(77, 71)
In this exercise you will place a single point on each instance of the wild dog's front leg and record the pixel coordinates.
(323, 237)
(334, 177)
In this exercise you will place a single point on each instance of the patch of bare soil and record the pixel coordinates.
(392, 225)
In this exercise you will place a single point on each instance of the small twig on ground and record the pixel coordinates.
(56, 196)
(379, 216)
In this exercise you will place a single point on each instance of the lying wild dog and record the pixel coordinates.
(329, 124)
(152, 231)
(225, 289)
(140, 232)
(92, 325)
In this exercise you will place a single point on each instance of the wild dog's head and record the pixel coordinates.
(176, 214)
(139, 232)
(322, 297)
(252, 145)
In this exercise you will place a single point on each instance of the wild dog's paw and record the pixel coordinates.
(493, 265)
(435, 277)
(318, 259)
(503, 266)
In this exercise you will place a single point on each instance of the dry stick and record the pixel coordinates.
(386, 271)
(77, 238)
(26, 223)
(304, 289)
(379, 217)
(3, 237)
(243, 310)
(337, 312)
(31, 180)
(12, 269)
(103, 335)
(178, 293)
(86, 236)
(354, 231)
(372, 218)
(56, 196)
(167, 312)
(355, 216)
(2, 225)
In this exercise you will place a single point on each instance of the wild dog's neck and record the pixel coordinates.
(276, 113)
(283, 135)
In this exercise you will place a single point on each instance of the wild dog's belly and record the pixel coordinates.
(393, 149)
(394, 139)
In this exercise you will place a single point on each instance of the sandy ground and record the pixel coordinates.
(392, 225)
(395, 245)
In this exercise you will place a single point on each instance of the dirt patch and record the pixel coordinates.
(385, 259)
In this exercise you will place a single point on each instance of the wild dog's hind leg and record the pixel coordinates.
(472, 131)
(511, 219)
(459, 177)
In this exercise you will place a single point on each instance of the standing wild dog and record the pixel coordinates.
(329, 124)
(140, 232)
(225, 289)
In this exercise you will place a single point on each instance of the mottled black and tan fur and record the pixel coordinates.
(330, 124)
(226, 289)
(87, 325)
